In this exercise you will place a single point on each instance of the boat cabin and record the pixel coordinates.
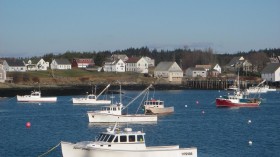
(112, 109)
(126, 136)
(154, 103)
(91, 96)
(35, 94)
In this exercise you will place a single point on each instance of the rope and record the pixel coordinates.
(11, 98)
(49, 150)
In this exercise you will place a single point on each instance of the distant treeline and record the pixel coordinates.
(184, 57)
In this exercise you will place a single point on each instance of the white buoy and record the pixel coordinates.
(186, 105)
(250, 142)
(249, 121)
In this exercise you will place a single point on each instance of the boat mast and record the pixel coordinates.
(137, 96)
(120, 94)
(238, 85)
(103, 90)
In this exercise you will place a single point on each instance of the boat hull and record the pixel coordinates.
(32, 99)
(227, 103)
(68, 150)
(165, 110)
(88, 101)
(110, 118)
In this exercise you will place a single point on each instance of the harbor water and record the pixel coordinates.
(196, 122)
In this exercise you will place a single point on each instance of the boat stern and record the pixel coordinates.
(189, 152)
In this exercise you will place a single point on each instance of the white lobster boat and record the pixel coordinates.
(113, 113)
(126, 143)
(92, 99)
(260, 88)
(35, 96)
(154, 106)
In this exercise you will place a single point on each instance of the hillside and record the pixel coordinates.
(75, 77)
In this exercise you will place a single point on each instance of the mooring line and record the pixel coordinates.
(11, 98)
(49, 150)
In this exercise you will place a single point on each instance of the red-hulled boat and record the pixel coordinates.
(238, 99)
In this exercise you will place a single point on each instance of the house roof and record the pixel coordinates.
(165, 66)
(14, 62)
(62, 61)
(234, 60)
(119, 56)
(271, 68)
(33, 61)
(109, 61)
(197, 69)
(208, 66)
(133, 60)
(83, 60)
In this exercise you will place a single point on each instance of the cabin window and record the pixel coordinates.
(100, 137)
(140, 138)
(106, 138)
(131, 138)
(123, 139)
(114, 109)
(111, 138)
(116, 139)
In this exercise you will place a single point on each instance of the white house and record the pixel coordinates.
(36, 64)
(195, 72)
(62, 64)
(114, 66)
(2, 72)
(271, 72)
(136, 64)
(170, 71)
(13, 64)
(151, 62)
(218, 68)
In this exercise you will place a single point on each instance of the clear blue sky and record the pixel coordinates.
(36, 27)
